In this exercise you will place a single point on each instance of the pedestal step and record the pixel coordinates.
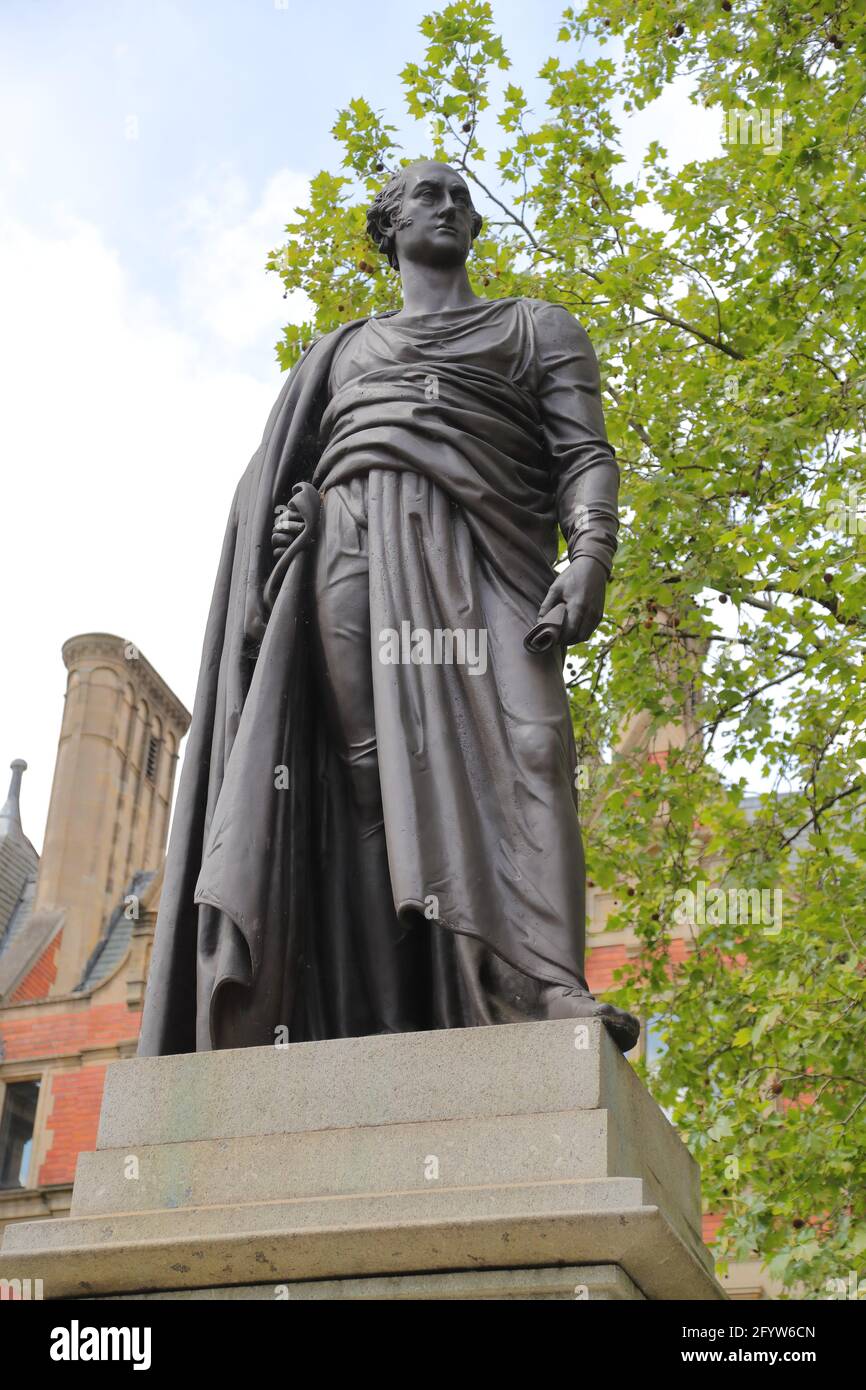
(501, 1151)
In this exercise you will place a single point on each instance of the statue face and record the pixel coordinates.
(438, 207)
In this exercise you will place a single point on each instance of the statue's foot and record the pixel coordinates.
(560, 1002)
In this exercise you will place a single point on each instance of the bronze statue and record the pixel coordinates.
(376, 828)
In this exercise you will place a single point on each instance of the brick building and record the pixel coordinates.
(76, 923)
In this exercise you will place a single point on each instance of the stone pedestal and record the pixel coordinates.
(516, 1161)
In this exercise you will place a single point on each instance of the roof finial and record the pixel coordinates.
(10, 815)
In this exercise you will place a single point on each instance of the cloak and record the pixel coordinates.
(202, 945)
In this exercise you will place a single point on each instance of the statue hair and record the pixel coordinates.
(383, 217)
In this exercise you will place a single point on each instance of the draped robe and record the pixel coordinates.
(477, 428)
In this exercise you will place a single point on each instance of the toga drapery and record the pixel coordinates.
(474, 430)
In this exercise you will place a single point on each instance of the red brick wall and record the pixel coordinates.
(76, 1095)
(39, 980)
(602, 961)
(72, 1122)
(38, 1033)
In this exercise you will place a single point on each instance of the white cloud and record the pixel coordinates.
(688, 131)
(685, 130)
(122, 438)
(224, 243)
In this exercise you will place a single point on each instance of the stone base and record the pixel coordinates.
(513, 1161)
(605, 1282)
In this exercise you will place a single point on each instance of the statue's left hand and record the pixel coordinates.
(287, 527)
(581, 587)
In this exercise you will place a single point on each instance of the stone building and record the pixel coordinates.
(76, 923)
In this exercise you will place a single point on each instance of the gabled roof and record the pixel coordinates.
(21, 914)
(114, 941)
(19, 864)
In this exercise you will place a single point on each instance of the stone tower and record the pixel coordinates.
(111, 796)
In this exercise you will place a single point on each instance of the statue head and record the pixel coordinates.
(425, 214)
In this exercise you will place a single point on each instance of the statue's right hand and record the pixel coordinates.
(287, 527)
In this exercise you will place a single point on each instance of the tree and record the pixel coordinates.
(728, 308)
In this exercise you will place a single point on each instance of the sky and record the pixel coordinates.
(151, 156)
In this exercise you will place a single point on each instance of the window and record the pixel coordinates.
(152, 759)
(16, 1132)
